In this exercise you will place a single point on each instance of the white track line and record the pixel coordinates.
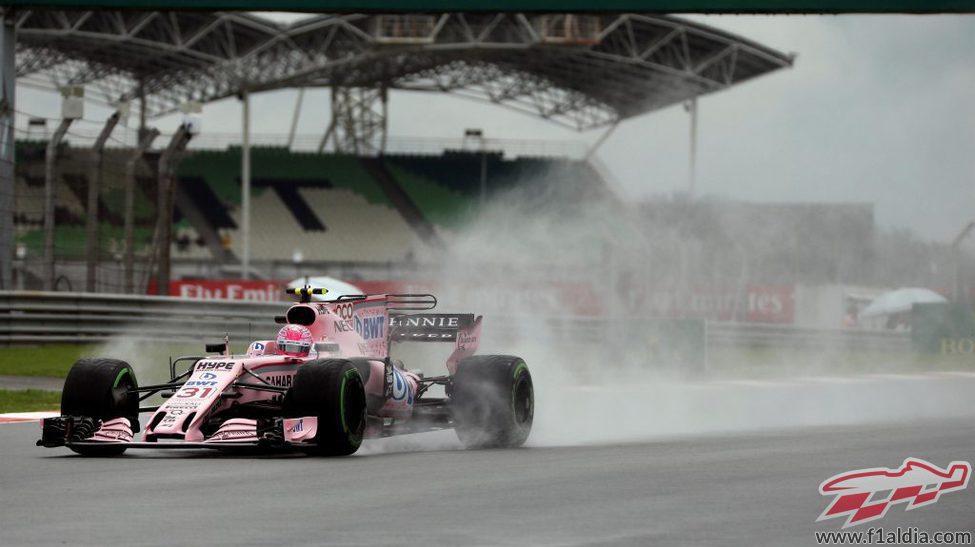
(21, 417)
(782, 382)
(909, 377)
(954, 374)
(753, 383)
(835, 380)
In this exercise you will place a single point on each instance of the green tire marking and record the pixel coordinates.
(118, 378)
(521, 366)
(345, 377)
(342, 405)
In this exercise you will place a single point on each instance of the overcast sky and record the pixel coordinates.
(877, 109)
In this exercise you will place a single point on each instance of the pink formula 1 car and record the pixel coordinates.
(326, 382)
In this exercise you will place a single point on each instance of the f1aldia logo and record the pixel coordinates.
(864, 495)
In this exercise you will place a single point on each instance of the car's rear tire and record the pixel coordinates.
(102, 389)
(333, 391)
(493, 401)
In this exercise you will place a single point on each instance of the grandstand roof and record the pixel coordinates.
(602, 6)
(578, 70)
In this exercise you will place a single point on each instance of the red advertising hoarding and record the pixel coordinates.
(226, 289)
(760, 304)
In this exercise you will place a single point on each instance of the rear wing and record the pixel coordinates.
(380, 320)
(418, 327)
(463, 329)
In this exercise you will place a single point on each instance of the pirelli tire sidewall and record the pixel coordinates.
(104, 389)
(331, 390)
(492, 401)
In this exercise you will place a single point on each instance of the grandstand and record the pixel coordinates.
(353, 199)
(325, 207)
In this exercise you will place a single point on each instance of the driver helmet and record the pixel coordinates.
(294, 340)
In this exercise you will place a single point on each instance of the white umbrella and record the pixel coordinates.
(900, 300)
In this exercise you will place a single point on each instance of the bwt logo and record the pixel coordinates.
(370, 327)
(865, 495)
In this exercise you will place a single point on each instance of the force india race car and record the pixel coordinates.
(322, 386)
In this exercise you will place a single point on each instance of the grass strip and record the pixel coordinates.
(28, 400)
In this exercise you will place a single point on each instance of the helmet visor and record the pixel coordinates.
(293, 346)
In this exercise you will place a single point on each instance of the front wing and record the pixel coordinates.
(276, 433)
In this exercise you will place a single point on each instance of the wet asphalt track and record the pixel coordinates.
(754, 489)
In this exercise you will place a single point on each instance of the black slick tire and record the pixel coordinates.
(101, 389)
(333, 391)
(492, 401)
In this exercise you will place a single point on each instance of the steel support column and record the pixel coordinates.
(602, 138)
(295, 117)
(143, 114)
(94, 185)
(358, 124)
(7, 92)
(167, 190)
(245, 189)
(145, 140)
(51, 176)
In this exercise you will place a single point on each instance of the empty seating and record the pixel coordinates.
(325, 207)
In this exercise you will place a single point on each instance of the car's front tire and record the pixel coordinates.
(333, 391)
(101, 389)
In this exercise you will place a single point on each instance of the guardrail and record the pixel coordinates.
(721, 334)
(32, 317)
(724, 334)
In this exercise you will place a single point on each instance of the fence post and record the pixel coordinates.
(147, 137)
(50, 179)
(94, 184)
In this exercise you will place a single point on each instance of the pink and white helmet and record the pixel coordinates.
(294, 340)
